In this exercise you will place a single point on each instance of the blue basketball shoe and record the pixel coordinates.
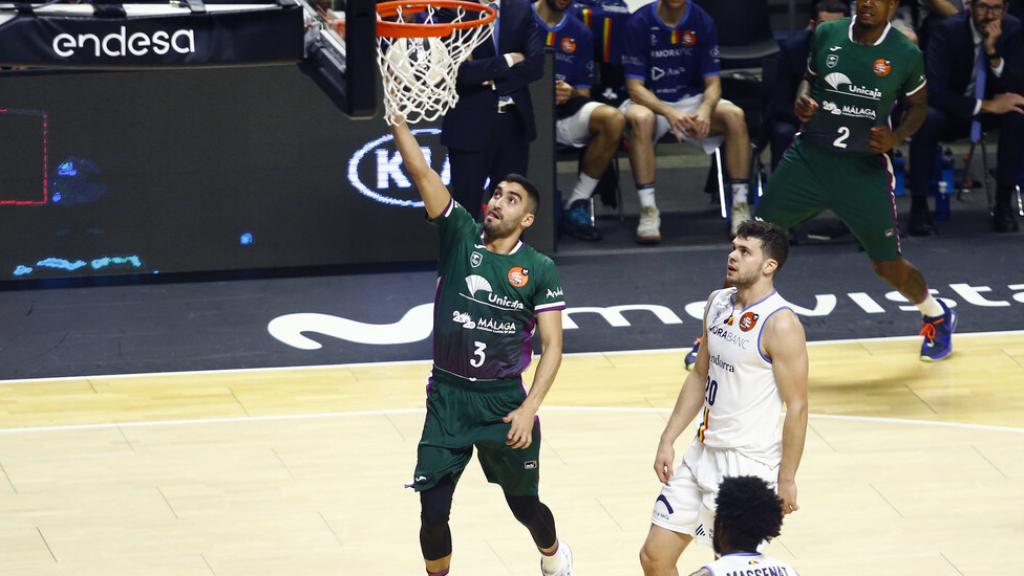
(938, 334)
(576, 222)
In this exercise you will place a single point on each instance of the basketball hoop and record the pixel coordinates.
(420, 46)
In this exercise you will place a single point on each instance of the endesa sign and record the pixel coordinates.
(121, 44)
(264, 34)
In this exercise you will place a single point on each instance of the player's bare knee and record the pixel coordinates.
(616, 123)
(640, 118)
(608, 122)
(891, 271)
(649, 562)
(735, 121)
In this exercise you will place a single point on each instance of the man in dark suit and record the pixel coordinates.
(488, 133)
(792, 67)
(975, 67)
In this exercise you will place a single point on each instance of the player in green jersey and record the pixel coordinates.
(493, 291)
(858, 68)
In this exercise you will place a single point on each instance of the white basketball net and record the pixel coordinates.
(419, 73)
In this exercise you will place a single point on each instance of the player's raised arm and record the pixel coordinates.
(786, 345)
(432, 189)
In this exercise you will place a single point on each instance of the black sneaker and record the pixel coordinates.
(921, 225)
(1004, 221)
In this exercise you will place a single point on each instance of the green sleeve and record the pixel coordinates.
(452, 225)
(916, 79)
(548, 293)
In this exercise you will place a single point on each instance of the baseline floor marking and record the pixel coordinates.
(407, 411)
(424, 361)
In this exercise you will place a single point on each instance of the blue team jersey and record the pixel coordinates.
(573, 45)
(672, 61)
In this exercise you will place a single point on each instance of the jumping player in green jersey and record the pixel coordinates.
(492, 292)
(858, 68)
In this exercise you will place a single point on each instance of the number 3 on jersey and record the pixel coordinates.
(840, 141)
(479, 356)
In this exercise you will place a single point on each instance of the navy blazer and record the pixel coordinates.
(792, 68)
(467, 125)
(950, 63)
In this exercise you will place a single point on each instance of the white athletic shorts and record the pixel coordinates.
(687, 504)
(690, 106)
(575, 130)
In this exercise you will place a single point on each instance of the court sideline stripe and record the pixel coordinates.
(409, 411)
(424, 361)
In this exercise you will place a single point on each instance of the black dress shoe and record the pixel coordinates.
(1004, 221)
(921, 226)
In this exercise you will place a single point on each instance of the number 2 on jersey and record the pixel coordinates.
(840, 141)
(479, 356)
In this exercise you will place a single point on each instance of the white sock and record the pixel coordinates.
(646, 193)
(584, 189)
(740, 189)
(551, 564)
(930, 307)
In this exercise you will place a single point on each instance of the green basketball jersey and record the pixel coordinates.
(486, 303)
(857, 85)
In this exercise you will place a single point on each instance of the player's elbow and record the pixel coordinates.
(797, 408)
(552, 348)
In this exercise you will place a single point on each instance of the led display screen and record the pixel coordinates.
(106, 173)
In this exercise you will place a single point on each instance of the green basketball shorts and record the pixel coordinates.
(463, 414)
(856, 187)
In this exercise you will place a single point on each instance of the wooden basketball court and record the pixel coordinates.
(910, 468)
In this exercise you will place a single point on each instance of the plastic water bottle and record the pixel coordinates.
(899, 171)
(942, 202)
(948, 169)
(946, 186)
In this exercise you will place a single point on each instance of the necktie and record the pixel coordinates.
(980, 69)
(497, 46)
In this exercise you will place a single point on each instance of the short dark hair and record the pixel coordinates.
(531, 190)
(833, 6)
(774, 240)
(748, 512)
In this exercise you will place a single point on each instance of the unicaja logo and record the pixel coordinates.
(121, 44)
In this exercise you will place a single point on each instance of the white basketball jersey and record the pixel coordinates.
(749, 564)
(742, 404)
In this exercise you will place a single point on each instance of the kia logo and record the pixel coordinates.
(376, 170)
